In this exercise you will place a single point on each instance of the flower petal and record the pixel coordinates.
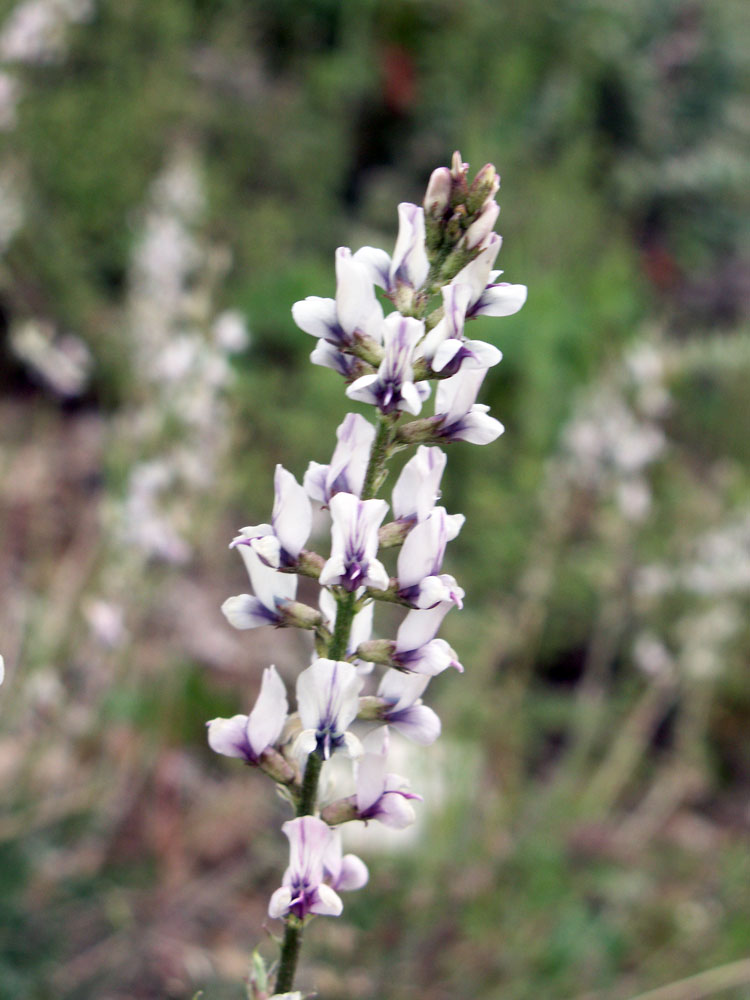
(318, 317)
(356, 304)
(245, 611)
(326, 903)
(371, 772)
(354, 874)
(417, 723)
(280, 902)
(418, 486)
(377, 263)
(229, 736)
(292, 512)
(395, 811)
(401, 689)
(362, 389)
(269, 713)
(502, 299)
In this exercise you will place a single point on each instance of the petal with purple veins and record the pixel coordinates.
(229, 737)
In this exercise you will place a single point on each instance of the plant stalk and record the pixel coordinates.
(292, 943)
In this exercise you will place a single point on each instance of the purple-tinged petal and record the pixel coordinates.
(411, 400)
(334, 571)
(346, 473)
(303, 890)
(318, 317)
(269, 586)
(476, 274)
(502, 299)
(325, 902)
(461, 418)
(455, 396)
(392, 388)
(417, 723)
(280, 902)
(438, 194)
(343, 873)
(381, 795)
(262, 540)
(395, 811)
(477, 427)
(431, 659)
(406, 713)
(269, 713)
(269, 551)
(328, 356)
(409, 264)
(402, 690)
(378, 265)
(456, 299)
(354, 534)
(308, 841)
(377, 576)
(229, 737)
(363, 389)
(436, 590)
(454, 355)
(415, 560)
(315, 481)
(246, 535)
(354, 873)
(356, 304)
(371, 772)
(328, 702)
(422, 553)
(418, 486)
(245, 611)
(480, 354)
(420, 627)
(292, 513)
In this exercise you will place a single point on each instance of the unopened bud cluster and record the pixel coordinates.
(439, 276)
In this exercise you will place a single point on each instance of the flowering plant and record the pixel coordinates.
(439, 277)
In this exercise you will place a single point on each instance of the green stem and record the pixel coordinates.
(289, 954)
(345, 612)
(306, 804)
(342, 628)
(378, 456)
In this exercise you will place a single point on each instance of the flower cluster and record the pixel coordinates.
(439, 277)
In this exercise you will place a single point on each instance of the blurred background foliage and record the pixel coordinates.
(174, 174)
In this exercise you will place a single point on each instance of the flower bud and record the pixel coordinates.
(293, 614)
(422, 431)
(459, 169)
(309, 564)
(438, 195)
(340, 811)
(483, 189)
(376, 650)
(370, 708)
(455, 262)
(482, 226)
(393, 533)
(453, 228)
(277, 767)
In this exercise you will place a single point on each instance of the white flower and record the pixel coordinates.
(247, 736)
(328, 702)
(354, 543)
